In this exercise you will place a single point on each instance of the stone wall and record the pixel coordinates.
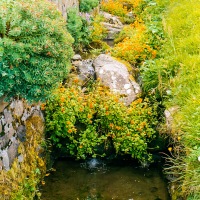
(13, 118)
(63, 5)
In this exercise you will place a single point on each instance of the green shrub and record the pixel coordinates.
(88, 124)
(88, 5)
(78, 27)
(35, 49)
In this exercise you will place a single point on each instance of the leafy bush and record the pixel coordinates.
(78, 27)
(35, 49)
(88, 124)
(88, 5)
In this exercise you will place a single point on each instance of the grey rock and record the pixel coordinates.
(9, 130)
(115, 75)
(2, 119)
(12, 150)
(1, 164)
(21, 133)
(112, 30)
(18, 107)
(25, 115)
(112, 24)
(77, 57)
(5, 159)
(8, 116)
(85, 69)
(111, 19)
(20, 158)
(77, 63)
(169, 116)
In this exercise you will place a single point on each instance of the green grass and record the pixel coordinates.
(179, 69)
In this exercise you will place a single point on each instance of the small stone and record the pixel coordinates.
(77, 57)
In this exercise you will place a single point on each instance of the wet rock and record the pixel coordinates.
(116, 76)
(21, 133)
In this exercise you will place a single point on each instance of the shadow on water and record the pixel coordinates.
(95, 180)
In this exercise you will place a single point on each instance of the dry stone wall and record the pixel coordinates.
(13, 119)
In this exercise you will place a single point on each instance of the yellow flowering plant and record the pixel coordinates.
(91, 123)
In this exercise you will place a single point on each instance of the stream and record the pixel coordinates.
(95, 180)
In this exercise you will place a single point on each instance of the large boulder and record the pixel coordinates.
(115, 75)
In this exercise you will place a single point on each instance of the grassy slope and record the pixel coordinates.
(182, 53)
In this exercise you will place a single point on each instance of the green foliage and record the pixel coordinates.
(88, 5)
(177, 72)
(88, 124)
(78, 27)
(35, 49)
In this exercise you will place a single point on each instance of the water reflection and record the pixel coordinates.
(94, 180)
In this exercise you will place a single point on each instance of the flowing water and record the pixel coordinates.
(95, 180)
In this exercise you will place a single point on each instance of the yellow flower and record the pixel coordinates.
(43, 182)
(170, 149)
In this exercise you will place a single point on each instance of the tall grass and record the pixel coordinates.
(181, 59)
